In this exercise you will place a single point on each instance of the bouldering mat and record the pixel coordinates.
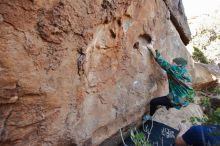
(161, 134)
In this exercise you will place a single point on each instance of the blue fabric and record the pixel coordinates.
(202, 135)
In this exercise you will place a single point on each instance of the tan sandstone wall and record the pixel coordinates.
(70, 73)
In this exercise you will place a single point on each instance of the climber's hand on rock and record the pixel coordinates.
(151, 49)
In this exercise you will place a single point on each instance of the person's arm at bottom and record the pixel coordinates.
(180, 142)
(179, 139)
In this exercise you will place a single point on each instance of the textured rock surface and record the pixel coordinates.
(70, 73)
(205, 75)
(181, 116)
(179, 19)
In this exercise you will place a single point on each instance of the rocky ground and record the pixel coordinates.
(181, 116)
(206, 34)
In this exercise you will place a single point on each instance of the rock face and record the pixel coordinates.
(205, 75)
(73, 72)
(181, 116)
(179, 19)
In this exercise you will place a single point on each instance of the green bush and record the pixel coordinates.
(199, 56)
(197, 120)
(216, 90)
(213, 116)
(205, 102)
(139, 139)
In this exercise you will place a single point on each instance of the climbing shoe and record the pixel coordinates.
(146, 118)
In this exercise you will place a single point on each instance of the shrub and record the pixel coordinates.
(199, 56)
(139, 139)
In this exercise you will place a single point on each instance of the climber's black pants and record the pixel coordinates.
(164, 100)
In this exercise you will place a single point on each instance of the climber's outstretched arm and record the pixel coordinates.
(162, 62)
(152, 50)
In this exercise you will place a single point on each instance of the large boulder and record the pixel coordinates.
(173, 117)
(179, 19)
(205, 76)
(71, 73)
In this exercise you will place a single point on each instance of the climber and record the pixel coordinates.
(180, 92)
(199, 135)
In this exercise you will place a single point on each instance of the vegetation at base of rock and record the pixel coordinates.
(216, 90)
(205, 102)
(139, 139)
(212, 115)
(199, 56)
(197, 120)
(190, 100)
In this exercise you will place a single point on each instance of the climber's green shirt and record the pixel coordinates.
(180, 95)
